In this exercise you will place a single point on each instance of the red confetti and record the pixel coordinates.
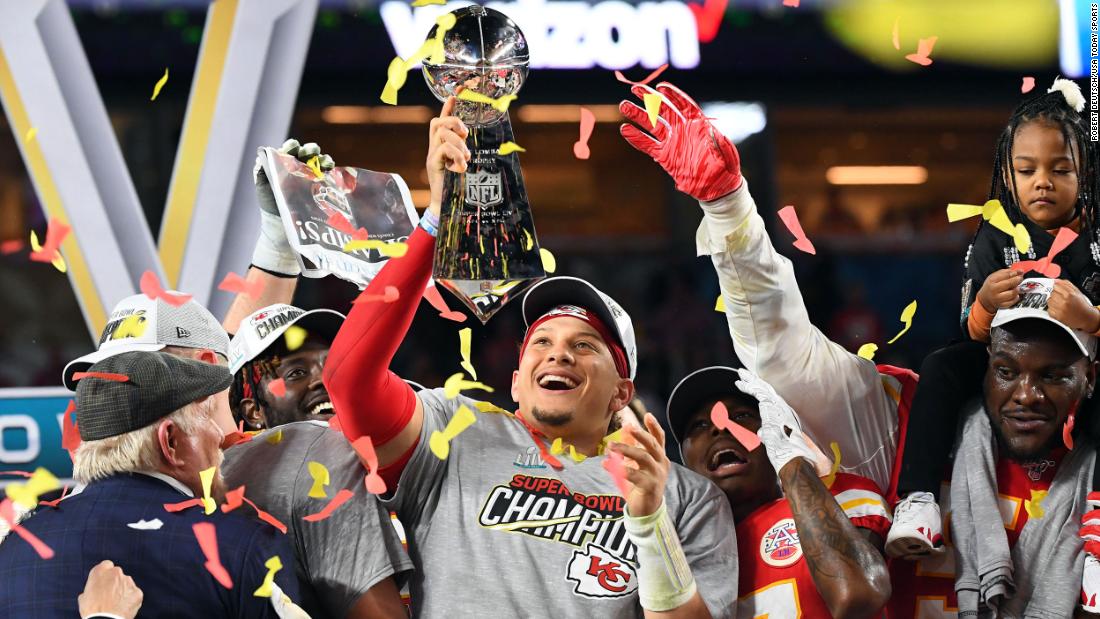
(182, 505)
(431, 293)
(53, 503)
(277, 387)
(235, 438)
(615, 465)
(536, 436)
(338, 500)
(235, 498)
(70, 434)
(708, 17)
(390, 295)
(18, 473)
(55, 234)
(1046, 265)
(338, 221)
(7, 513)
(111, 376)
(237, 284)
(150, 285)
(365, 448)
(208, 541)
(11, 247)
(924, 48)
(588, 123)
(1067, 428)
(790, 219)
(652, 76)
(791, 3)
(720, 417)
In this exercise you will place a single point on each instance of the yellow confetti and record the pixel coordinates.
(907, 318)
(206, 476)
(993, 212)
(501, 104)
(1034, 505)
(320, 479)
(276, 437)
(464, 337)
(867, 351)
(274, 564)
(456, 384)
(295, 336)
(314, 164)
(160, 84)
(26, 494)
(445, 22)
(614, 437)
(427, 2)
(576, 455)
(58, 262)
(557, 447)
(508, 148)
(831, 477)
(720, 305)
(395, 79)
(393, 250)
(427, 48)
(528, 241)
(440, 442)
(549, 263)
(652, 107)
(33, 131)
(488, 407)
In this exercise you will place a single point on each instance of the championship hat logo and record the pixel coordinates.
(779, 547)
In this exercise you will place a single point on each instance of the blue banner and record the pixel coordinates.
(1077, 25)
(30, 431)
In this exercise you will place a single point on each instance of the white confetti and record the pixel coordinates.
(146, 525)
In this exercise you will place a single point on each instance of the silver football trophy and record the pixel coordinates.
(487, 250)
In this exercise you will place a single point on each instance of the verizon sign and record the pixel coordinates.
(573, 35)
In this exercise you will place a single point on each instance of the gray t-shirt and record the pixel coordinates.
(496, 532)
(337, 559)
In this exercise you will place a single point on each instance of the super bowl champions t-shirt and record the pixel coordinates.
(497, 532)
(340, 558)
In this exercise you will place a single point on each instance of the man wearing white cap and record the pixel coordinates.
(552, 535)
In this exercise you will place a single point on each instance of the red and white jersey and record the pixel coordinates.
(925, 589)
(775, 580)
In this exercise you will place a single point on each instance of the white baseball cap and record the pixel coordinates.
(138, 323)
(1034, 295)
(264, 327)
(553, 292)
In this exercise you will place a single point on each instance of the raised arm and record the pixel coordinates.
(368, 398)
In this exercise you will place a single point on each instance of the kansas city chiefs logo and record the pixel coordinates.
(597, 573)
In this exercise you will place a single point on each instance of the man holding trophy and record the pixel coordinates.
(650, 538)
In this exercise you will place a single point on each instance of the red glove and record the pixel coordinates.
(702, 161)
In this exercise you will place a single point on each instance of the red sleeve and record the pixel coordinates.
(862, 502)
(368, 398)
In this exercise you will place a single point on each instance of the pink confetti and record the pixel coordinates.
(615, 465)
(431, 293)
(390, 295)
(720, 417)
(11, 247)
(53, 503)
(1028, 85)
(277, 387)
(237, 284)
(338, 221)
(151, 287)
(208, 541)
(649, 78)
(56, 232)
(235, 498)
(588, 123)
(338, 500)
(1046, 265)
(790, 219)
(7, 513)
(70, 434)
(111, 376)
(924, 48)
(1067, 428)
(791, 3)
(365, 448)
(182, 505)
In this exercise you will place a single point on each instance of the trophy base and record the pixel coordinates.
(485, 297)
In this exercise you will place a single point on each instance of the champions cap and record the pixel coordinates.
(554, 293)
(1034, 296)
(699, 388)
(140, 323)
(266, 326)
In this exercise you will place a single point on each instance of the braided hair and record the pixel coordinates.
(1059, 107)
(247, 384)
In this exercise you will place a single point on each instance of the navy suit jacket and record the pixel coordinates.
(166, 563)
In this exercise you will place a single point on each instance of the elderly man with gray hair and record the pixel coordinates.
(150, 442)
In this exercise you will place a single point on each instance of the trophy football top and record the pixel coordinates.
(484, 51)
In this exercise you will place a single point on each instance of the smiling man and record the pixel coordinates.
(804, 546)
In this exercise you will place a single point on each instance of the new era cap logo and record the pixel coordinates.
(182, 333)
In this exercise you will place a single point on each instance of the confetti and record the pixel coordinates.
(456, 383)
(50, 251)
(431, 293)
(720, 418)
(208, 542)
(235, 498)
(924, 48)
(146, 525)
(160, 84)
(867, 351)
(993, 212)
(206, 476)
(390, 294)
(1034, 505)
(25, 494)
(649, 78)
(341, 223)
(239, 285)
(791, 3)
(275, 437)
(907, 319)
(508, 148)
(720, 304)
(1067, 428)
(499, 104)
(182, 505)
(790, 219)
(7, 514)
(320, 479)
(294, 337)
(557, 446)
(1028, 85)
(831, 477)
(53, 503)
(894, 35)
(31, 133)
(708, 18)
(652, 106)
(588, 123)
(440, 442)
(364, 446)
(427, 2)
(277, 387)
(394, 249)
(315, 166)
(150, 285)
(274, 564)
(70, 434)
(464, 337)
(11, 247)
(614, 464)
(111, 376)
(1046, 265)
(338, 500)
(576, 455)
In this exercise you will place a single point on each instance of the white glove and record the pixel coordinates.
(1090, 585)
(273, 251)
(780, 431)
